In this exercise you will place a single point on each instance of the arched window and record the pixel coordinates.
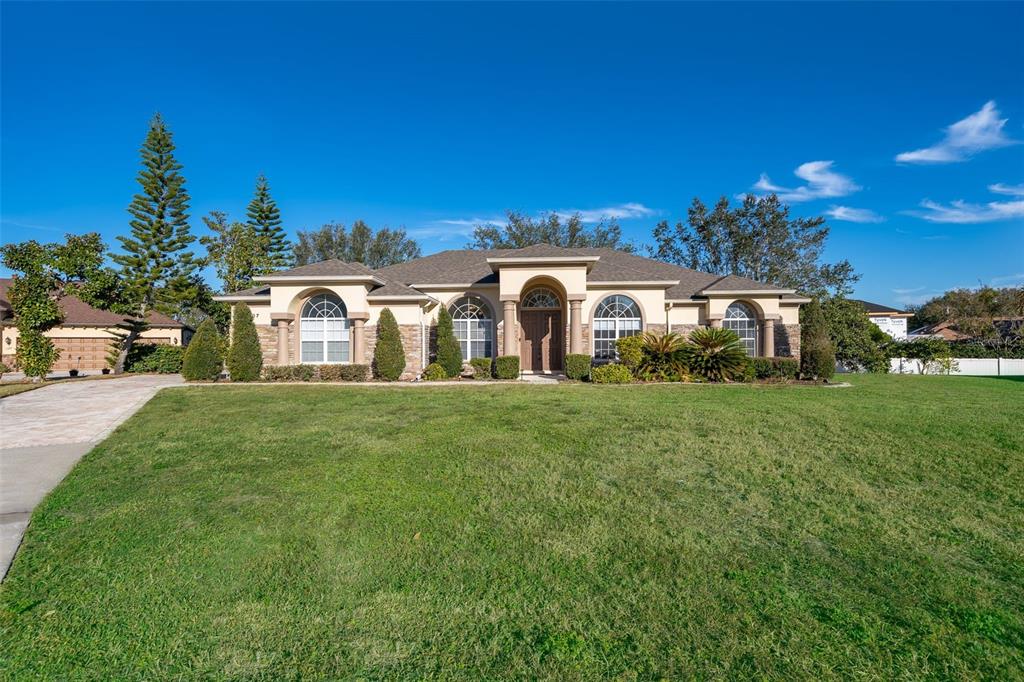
(615, 317)
(474, 326)
(324, 330)
(740, 318)
(541, 298)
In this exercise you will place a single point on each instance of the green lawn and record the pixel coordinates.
(565, 532)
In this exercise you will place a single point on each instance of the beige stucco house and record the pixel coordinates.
(84, 336)
(539, 303)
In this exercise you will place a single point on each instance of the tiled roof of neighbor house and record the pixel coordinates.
(326, 268)
(259, 290)
(469, 266)
(870, 307)
(78, 313)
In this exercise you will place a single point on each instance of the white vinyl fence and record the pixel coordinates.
(978, 367)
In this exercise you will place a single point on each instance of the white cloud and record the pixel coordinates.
(1011, 190)
(618, 212)
(962, 213)
(1006, 280)
(979, 132)
(822, 183)
(443, 230)
(853, 215)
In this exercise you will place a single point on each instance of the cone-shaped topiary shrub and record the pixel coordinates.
(245, 359)
(449, 355)
(204, 356)
(715, 354)
(817, 355)
(388, 354)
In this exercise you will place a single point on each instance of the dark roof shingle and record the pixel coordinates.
(78, 313)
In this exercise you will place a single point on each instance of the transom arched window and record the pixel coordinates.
(741, 318)
(474, 326)
(323, 327)
(615, 317)
(541, 298)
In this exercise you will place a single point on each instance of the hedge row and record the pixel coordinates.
(775, 369)
(316, 373)
(151, 358)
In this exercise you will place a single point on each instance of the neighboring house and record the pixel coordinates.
(1006, 329)
(890, 320)
(539, 303)
(84, 337)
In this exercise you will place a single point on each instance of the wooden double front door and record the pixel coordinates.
(541, 341)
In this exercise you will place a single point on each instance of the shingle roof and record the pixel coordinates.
(259, 290)
(870, 307)
(737, 283)
(469, 266)
(78, 313)
(326, 268)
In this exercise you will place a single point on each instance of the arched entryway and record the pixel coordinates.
(542, 337)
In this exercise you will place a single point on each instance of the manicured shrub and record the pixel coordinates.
(715, 354)
(449, 354)
(482, 367)
(388, 354)
(435, 372)
(245, 358)
(817, 356)
(577, 366)
(630, 350)
(153, 358)
(203, 358)
(775, 369)
(612, 373)
(663, 358)
(290, 372)
(342, 372)
(506, 367)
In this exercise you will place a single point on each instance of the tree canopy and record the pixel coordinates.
(373, 248)
(756, 239)
(237, 251)
(521, 230)
(972, 311)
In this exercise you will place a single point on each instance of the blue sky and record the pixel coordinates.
(901, 122)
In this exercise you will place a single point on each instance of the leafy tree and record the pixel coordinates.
(757, 239)
(245, 358)
(265, 218)
(45, 273)
(156, 265)
(817, 356)
(374, 249)
(237, 251)
(449, 354)
(931, 354)
(204, 356)
(388, 354)
(972, 311)
(556, 229)
(854, 337)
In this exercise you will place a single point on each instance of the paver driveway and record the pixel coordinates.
(44, 432)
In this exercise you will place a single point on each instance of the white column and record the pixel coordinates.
(510, 328)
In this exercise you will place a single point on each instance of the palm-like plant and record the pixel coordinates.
(715, 354)
(663, 357)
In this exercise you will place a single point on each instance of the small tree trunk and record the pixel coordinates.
(126, 346)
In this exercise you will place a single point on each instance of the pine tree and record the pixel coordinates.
(157, 267)
(449, 354)
(265, 218)
(245, 359)
(388, 356)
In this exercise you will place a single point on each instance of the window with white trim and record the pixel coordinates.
(323, 328)
(541, 298)
(615, 317)
(474, 326)
(741, 318)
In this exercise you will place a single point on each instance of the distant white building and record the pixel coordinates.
(890, 320)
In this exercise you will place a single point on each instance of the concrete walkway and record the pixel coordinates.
(44, 432)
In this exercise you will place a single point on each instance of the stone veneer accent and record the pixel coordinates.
(268, 343)
(412, 344)
(787, 340)
(684, 329)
